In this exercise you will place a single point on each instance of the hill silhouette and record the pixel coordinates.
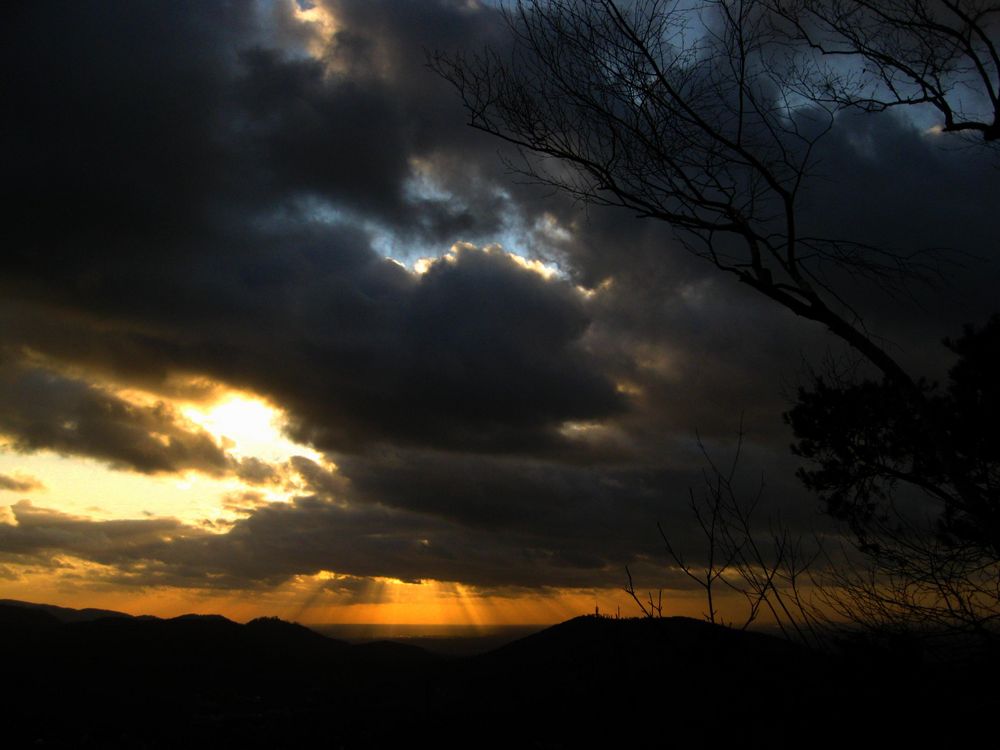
(121, 681)
(64, 614)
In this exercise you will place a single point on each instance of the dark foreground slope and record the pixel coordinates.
(147, 682)
(206, 681)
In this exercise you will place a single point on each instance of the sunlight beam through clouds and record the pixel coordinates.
(386, 601)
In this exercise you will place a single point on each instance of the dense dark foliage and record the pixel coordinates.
(865, 439)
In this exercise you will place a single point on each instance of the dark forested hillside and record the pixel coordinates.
(120, 681)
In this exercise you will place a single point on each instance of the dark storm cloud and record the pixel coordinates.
(598, 513)
(478, 352)
(139, 129)
(574, 540)
(188, 194)
(40, 531)
(925, 197)
(254, 471)
(216, 255)
(42, 410)
(706, 348)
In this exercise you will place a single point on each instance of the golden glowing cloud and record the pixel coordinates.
(545, 270)
(320, 21)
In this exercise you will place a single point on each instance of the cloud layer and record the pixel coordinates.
(213, 190)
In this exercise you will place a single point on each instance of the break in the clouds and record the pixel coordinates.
(239, 193)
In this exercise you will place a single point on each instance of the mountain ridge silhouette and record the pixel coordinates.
(124, 681)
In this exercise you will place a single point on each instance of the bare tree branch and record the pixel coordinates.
(939, 53)
(682, 113)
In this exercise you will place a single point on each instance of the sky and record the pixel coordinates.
(282, 335)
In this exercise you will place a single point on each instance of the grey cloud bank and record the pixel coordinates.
(188, 193)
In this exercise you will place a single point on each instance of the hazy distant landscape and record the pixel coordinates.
(458, 640)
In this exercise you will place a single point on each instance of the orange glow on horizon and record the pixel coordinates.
(308, 600)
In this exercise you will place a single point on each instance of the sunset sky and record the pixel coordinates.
(281, 335)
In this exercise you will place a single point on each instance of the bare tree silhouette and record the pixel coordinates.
(768, 569)
(916, 475)
(687, 114)
(903, 580)
(939, 53)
